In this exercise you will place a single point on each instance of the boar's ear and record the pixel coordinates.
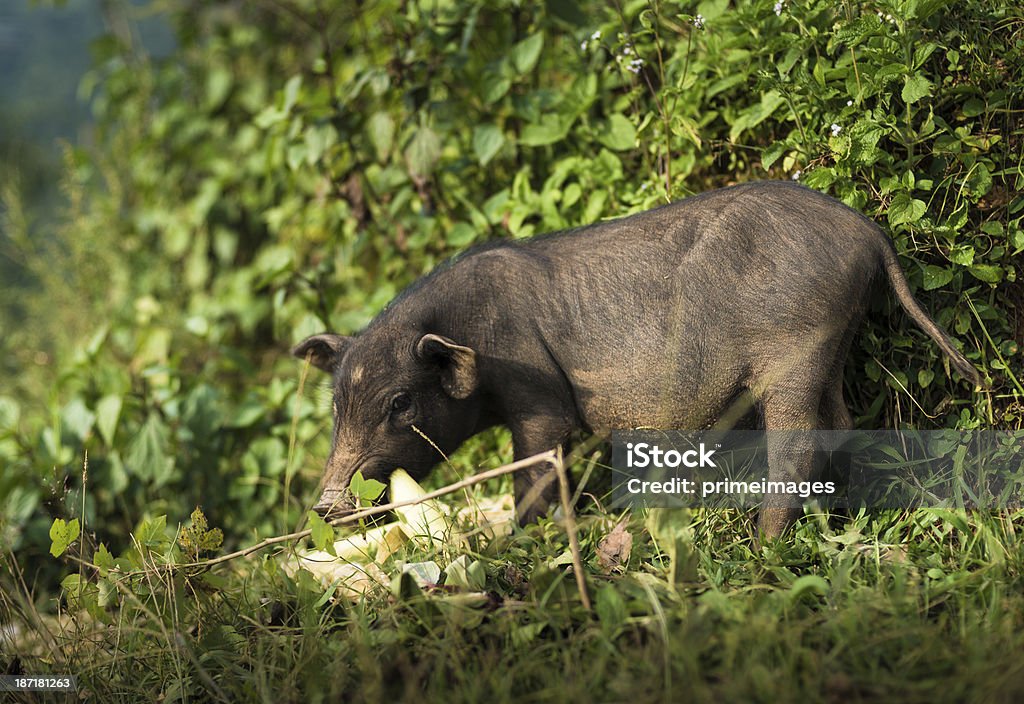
(458, 364)
(324, 351)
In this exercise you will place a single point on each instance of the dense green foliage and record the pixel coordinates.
(295, 163)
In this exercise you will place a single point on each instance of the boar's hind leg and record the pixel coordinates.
(834, 415)
(789, 416)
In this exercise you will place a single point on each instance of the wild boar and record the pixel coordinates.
(668, 319)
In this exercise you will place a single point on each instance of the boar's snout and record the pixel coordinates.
(334, 504)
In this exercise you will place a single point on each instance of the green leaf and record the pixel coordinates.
(107, 593)
(610, 608)
(936, 277)
(62, 535)
(251, 411)
(618, 133)
(423, 151)
(1016, 241)
(108, 410)
(524, 55)
(671, 530)
(551, 128)
(808, 584)
(77, 419)
(291, 91)
(595, 205)
(318, 139)
(962, 254)
(198, 538)
(487, 140)
(922, 52)
(265, 457)
(898, 380)
(770, 155)
(218, 83)
(295, 156)
(754, 115)
(322, 533)
(74, 588)
(495, 87)
(989, 273)
(273, 261)
(10, 411)
(269, 116)
(915, 87)
(925, 377)
(905, 210)
(365, 489)
(980, 181)
(381, 130)
(853, 33)
(461, 234)
(103, 559)
(147, 455)
(820, 178)
(152, 533)
(864, 138)
(973, 107)
(202, 412)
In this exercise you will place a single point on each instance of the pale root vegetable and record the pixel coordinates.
(394, 538)
(489, 517)
(375, 544)
(425, 522)
(357, 566)
(359, 546)
(349, 578)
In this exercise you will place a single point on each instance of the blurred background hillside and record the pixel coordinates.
(46, 50)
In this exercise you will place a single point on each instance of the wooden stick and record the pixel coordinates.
(548, 456)
(569, 516)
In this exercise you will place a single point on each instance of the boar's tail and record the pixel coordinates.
(898, 281)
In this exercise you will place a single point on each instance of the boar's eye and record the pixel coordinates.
(401, 403)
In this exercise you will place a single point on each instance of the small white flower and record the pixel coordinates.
(635, 65)
(583, 45)
(698, 21)
(836, 129)
(627, 50)
(778, 8)
(796, 175)
(643, 187)
(596, 35)
(849, 103)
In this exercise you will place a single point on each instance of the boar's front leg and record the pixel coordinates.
(537, 487)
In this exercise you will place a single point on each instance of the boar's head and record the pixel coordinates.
(391, 392)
